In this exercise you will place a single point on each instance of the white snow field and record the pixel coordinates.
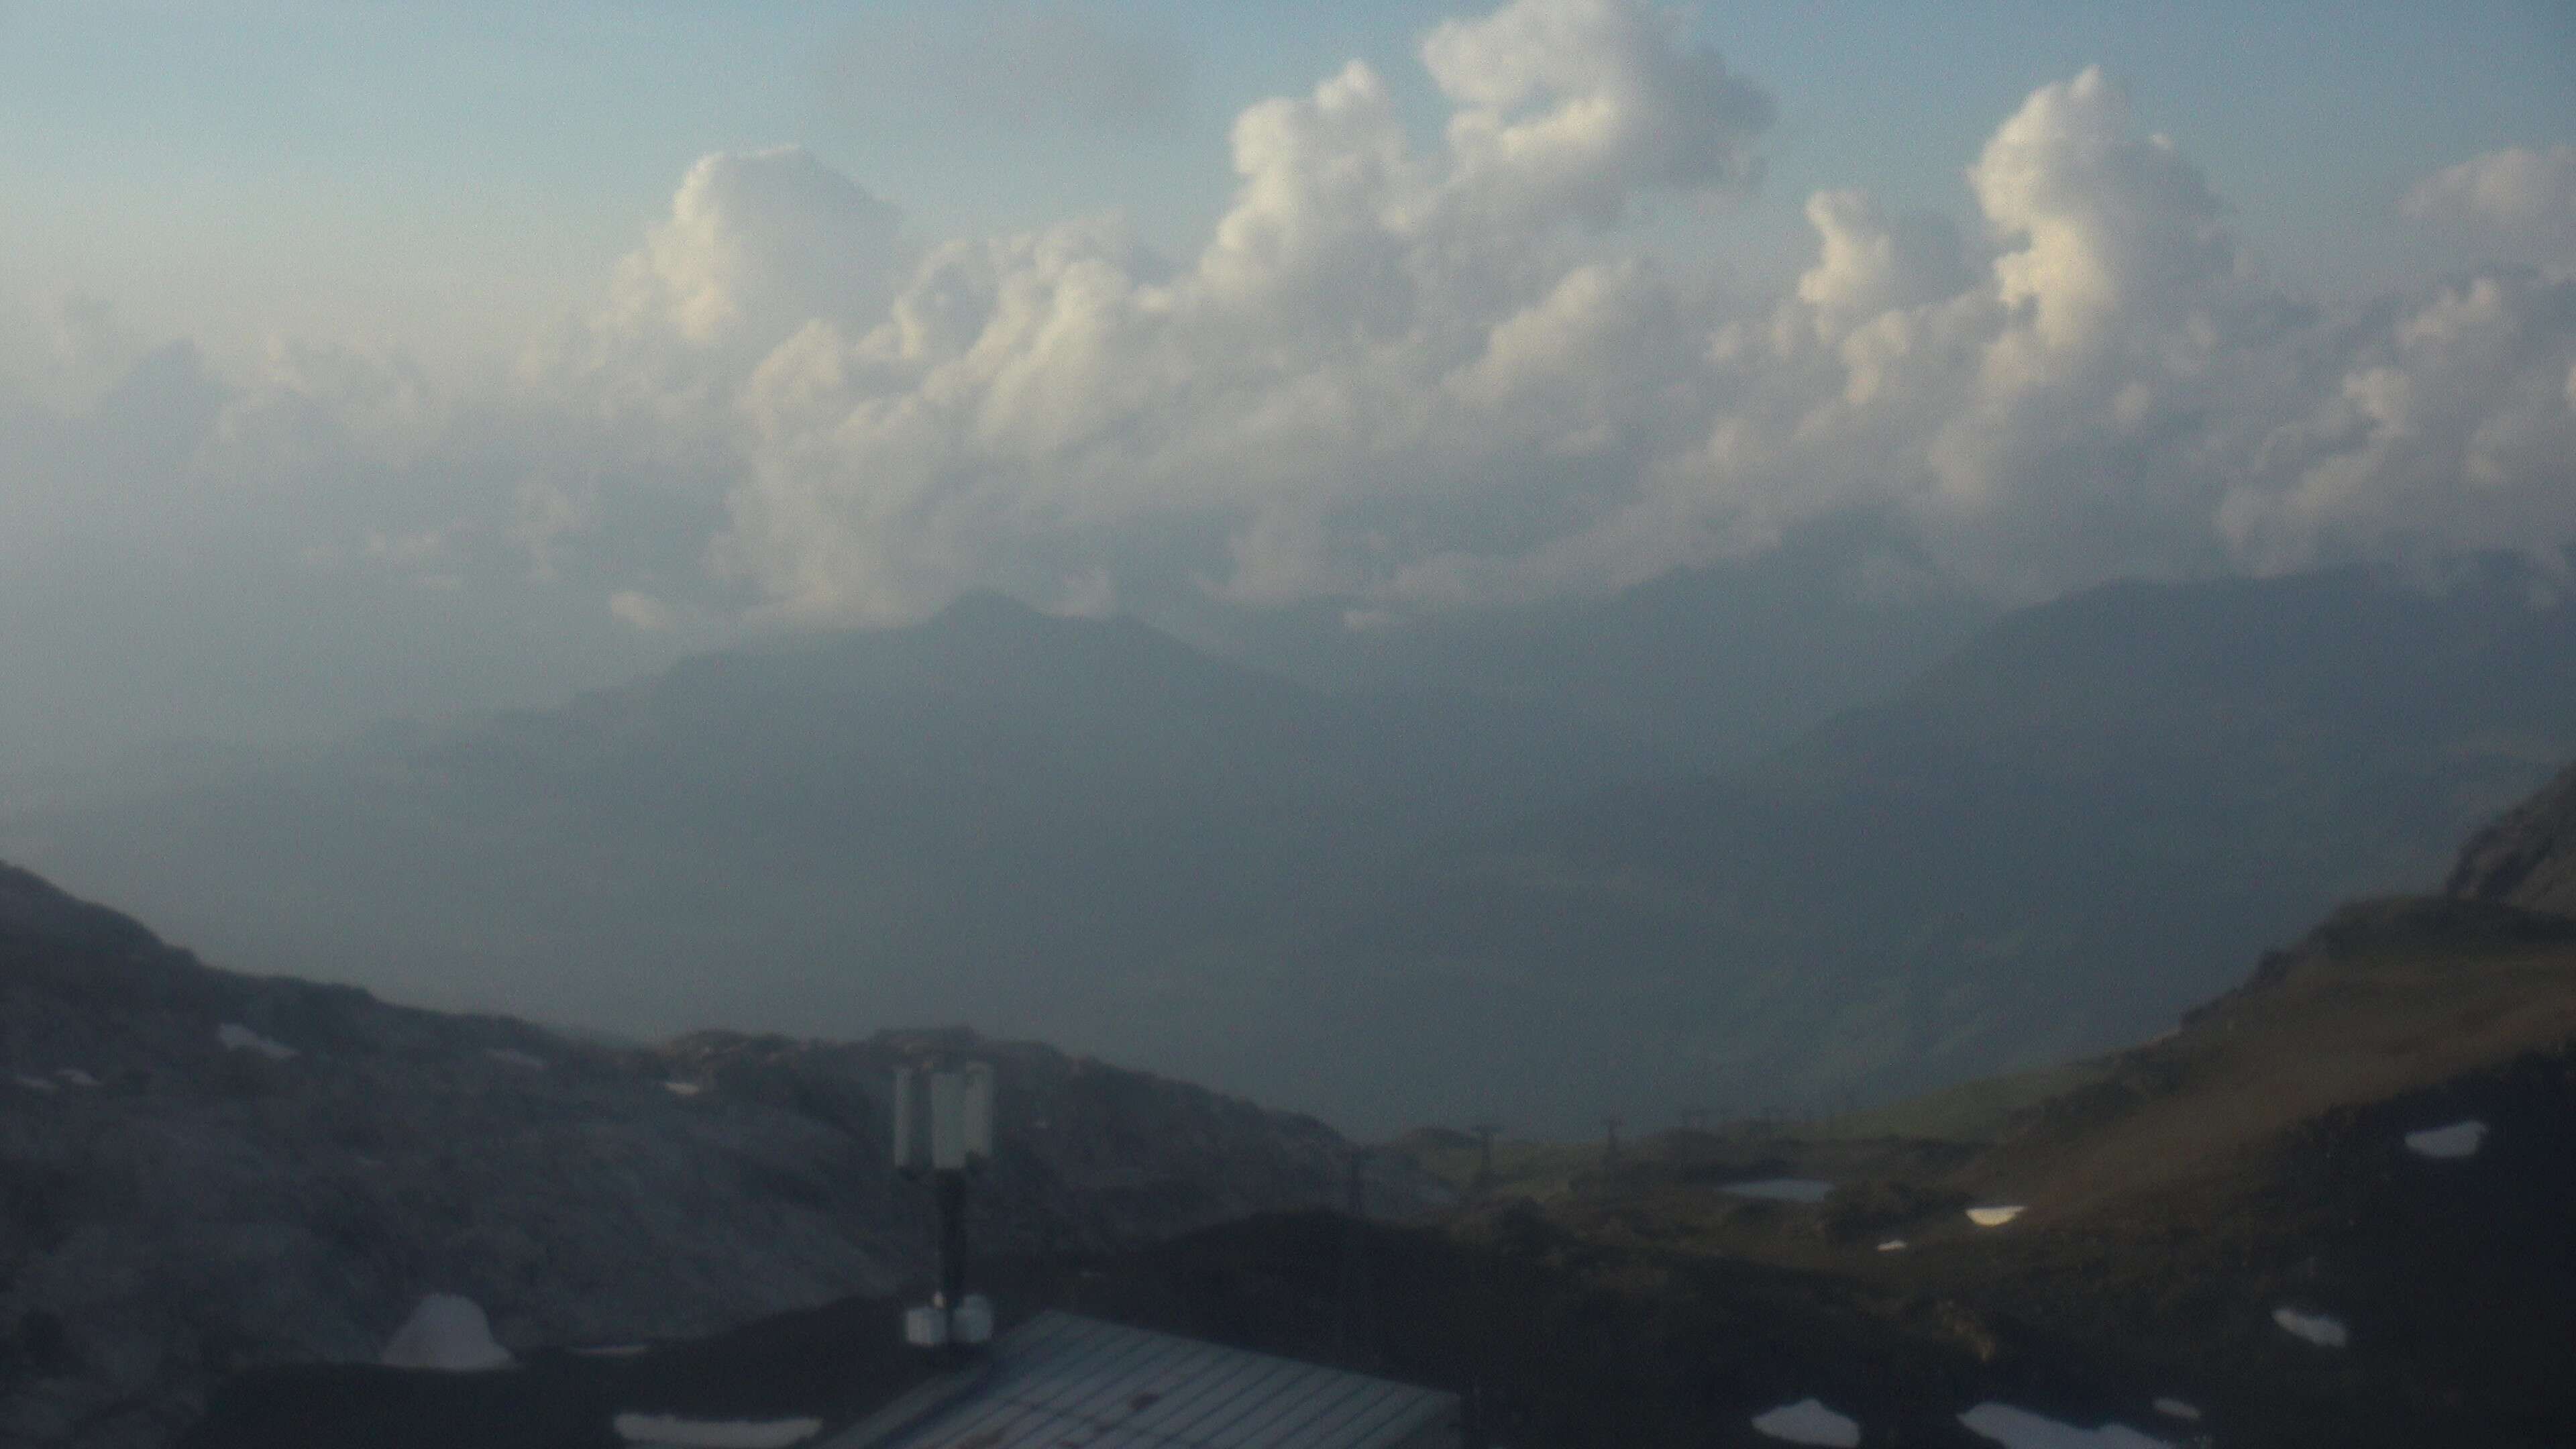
(1994, 1216)
(2021, 1429)
(1782, 1189)
(1892, 1245)
(239, 1038)
(2322, 1329)
(2177, 1409)
(682, 1089)
(2460, 1139)
(677, 1433)
(446, 1332)
(1808, 1421)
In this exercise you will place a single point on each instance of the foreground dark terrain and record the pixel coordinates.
(2277, 1218)
(201, 1170)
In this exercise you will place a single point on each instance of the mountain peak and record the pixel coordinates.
(986, 609)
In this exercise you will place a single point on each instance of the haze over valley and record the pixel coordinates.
(1391, 908)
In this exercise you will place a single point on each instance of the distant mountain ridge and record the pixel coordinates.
(1395, 908)
(2054, 841)
(1719, 665)
(997, 815)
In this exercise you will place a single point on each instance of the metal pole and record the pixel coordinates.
(951, 1186)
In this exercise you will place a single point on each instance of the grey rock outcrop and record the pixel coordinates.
(201, 1170)
(2527, 857)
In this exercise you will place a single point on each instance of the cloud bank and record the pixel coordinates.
(1408, 371)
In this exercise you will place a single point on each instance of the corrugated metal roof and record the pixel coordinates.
(1061, 1380)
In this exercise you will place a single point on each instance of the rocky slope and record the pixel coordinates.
(2332, 1205)
(201, 1171)
(2329, 1209)
(2527, 858)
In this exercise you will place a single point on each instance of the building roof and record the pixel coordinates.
(1061, 1379)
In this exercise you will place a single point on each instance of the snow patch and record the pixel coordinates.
(1782, 1189)
(682, 1089)
(446, 1332)
(2021, 1429)
(1892, 1245)
(77, 1077)
(36, 1084)
(2177, 1409)
(236, 1037)
(1808, 1421)
(2460, 1139)
(512, 1056)
(2322, 1329)
(665, 1429)
(1995, 1216)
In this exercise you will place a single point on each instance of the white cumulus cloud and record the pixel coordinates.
(1436, 376)
(1583, 103)
(2523, 193)
(1383, 357)
(755, 245)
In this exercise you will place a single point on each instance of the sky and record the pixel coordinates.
(438, 174)
(360, 359)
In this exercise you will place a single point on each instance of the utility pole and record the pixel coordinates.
(943, 1130)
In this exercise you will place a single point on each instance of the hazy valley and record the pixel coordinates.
(1383, 907)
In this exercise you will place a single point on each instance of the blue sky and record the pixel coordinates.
(437, 173)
